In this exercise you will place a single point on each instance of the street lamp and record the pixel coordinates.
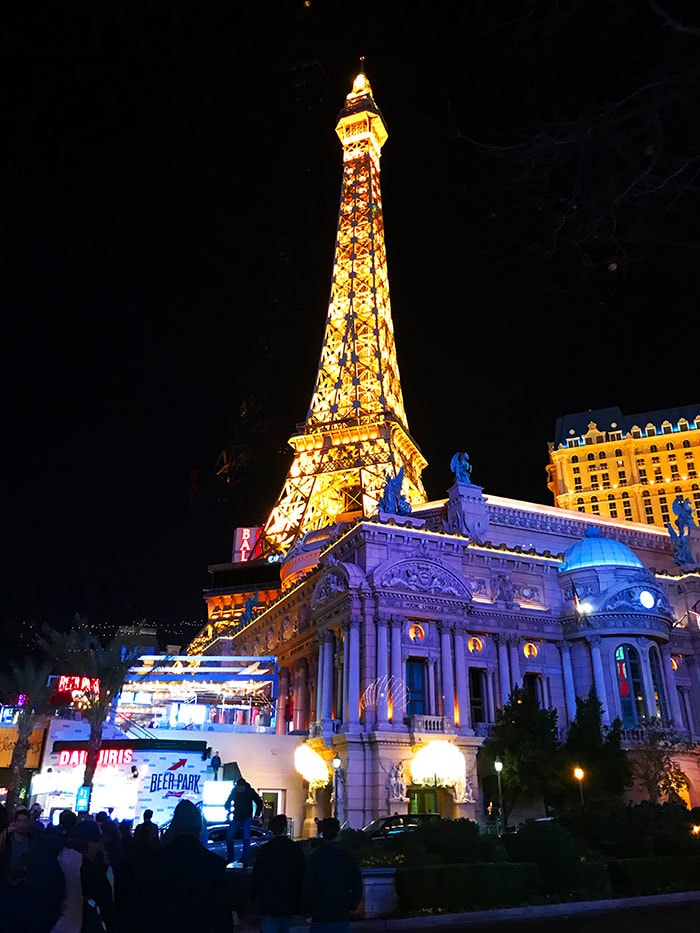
(579, 774)
(336, 766)
(498, 765)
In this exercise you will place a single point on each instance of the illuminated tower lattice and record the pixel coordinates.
(355, 431)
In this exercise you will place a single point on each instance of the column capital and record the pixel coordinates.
(354, 622)
(564, 647)
(445, 626)
(594, 640)
(382, 619)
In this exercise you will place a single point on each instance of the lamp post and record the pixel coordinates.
(336, 765)
(498, 765)
(579, 774)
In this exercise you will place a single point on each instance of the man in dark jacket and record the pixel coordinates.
(277, 878)
(182, 886)
(332, 884)
(242, 800)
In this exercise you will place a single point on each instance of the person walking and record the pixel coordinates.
(242, 800)
(277, 878)
(215, 765)
(332, 883)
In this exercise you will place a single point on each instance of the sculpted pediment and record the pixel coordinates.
(421, 576)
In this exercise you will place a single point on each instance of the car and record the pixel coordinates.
(387, 826)
(216, 839)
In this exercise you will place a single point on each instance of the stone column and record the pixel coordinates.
(344, 672)
(398, 675)
(568, 674)
(669, 686)
(326, 704)
(353, 675)
(448, 684)
(503, 674)
(514, 650)
(320, 638)
(382, 673)
(432, 689)
(462, 685)
(490, 695)
(301, 695)
(599, 676)
(282, 701)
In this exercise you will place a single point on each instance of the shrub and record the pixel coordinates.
(451, 841)
(467, 887)
(554, 849)
(642, 876)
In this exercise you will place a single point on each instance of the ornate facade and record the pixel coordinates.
(398, 631)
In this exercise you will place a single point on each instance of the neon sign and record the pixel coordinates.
(71, 758)
(74, 683)
(244, 540)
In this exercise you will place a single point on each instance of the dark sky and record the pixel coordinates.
(171, 179)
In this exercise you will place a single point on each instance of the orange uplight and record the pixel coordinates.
(695, 830)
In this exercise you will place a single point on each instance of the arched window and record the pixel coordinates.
(618, 452)
(629, 685)
(590, 457)
(669, 446)
(602, 455)
(686, 443)
(574, 459)
(654, 449)
(658, 682)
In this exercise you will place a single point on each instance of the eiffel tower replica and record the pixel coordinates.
(355, 434)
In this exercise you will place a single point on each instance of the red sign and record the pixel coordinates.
(244, 540)
(71, 758)
(74, 683)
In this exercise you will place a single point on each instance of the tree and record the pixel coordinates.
(28, 682)
(526, 740)
(654, 759)
(598, 750)
(78, 651)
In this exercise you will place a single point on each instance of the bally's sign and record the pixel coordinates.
(175, 782)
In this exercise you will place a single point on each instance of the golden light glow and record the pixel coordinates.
(439, 764)
(475, 645)
(530, 650)
(416, 633)
(355, 431)
(579, 773)
(309, 764)
(695, 830)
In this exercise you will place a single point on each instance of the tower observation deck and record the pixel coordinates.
(355, 433)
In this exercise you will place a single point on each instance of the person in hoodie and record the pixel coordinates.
(277, 878)
(182, 886)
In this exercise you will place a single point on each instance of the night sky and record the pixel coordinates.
(171, 184)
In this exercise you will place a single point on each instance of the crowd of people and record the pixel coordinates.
(96, 875)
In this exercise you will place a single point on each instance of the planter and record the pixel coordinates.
(380, 898)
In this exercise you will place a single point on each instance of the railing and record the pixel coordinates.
(432, 724)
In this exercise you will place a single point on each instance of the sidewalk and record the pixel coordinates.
(680, 912)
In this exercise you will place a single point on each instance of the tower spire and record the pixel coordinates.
(355, 433)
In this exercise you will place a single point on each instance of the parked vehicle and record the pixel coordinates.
(387, 826)
(216, 839)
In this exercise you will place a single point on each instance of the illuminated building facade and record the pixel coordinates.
(629, 467)
(397, 631)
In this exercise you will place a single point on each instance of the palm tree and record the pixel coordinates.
(78, 651)
(30, 680)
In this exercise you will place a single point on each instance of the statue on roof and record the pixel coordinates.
(393, 500)
(683, 510)
(462, 468)
(247, 615)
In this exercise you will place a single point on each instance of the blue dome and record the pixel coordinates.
(594, 550)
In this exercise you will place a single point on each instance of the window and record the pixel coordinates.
(416, 632)
(606, 480)
(477, 694)
(574, 459)
(580, 506)
(532, 685)
(629, 685)
(651, 430)
(590, 457)
(530, 649)
(686, 443)
(577, 484)
(671, 458)
(667, 428)
(636, 432)
(602, 455)
(475, 645)
(615, 436)
(656, 459)
(576, 470)
(682, 424)
(669, 446)
(415, 683)
(643, 477)
(658, 683)
(622, 477)
(618, 452)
